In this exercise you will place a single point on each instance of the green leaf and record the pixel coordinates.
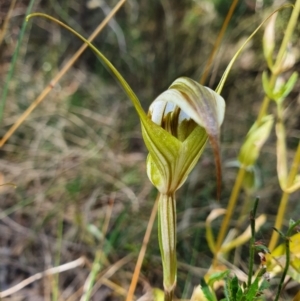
(240, 294)
(234, 286)
(217, 276)
(262, 248)
(252, 290)
(264, 285)
(231, 288)
(279, 232)
(207, 292)
(227, 290)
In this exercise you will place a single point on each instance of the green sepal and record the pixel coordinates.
(168, 173)
(255, 139)
(163, 150)
(189, 113)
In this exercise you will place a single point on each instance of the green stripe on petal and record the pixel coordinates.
(163, 150)
(206, 108)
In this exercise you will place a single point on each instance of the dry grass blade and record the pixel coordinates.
(62, 268)
(5, 23)
(218, 41)
(54, 81)
(139, 262)
(110, 272)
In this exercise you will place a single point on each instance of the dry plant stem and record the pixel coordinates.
(218, 41)
(65, 267)
(110, 271)
(230, 208)
(53, 82)
(284, 199)
(5, 23)
(167, 241)
(55, 278)
(142, 253)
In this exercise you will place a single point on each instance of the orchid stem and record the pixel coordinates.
(167, 241)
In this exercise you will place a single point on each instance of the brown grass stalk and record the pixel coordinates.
(59, 75)
(142, 253)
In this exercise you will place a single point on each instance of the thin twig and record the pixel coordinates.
(5, 23)
(218, 41)
(62, 268)
(142, 253)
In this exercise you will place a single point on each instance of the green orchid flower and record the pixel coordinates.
(175, 131)
(189, 113)
(183, 118)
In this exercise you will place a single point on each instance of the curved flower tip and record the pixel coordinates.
(190, 113)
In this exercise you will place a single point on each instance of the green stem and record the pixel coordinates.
(230, 208)
(266, 101)
(167, 241)
(287, 36)
(287, 257)
(252, 241)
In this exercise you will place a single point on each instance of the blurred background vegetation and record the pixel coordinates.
(82, 149)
